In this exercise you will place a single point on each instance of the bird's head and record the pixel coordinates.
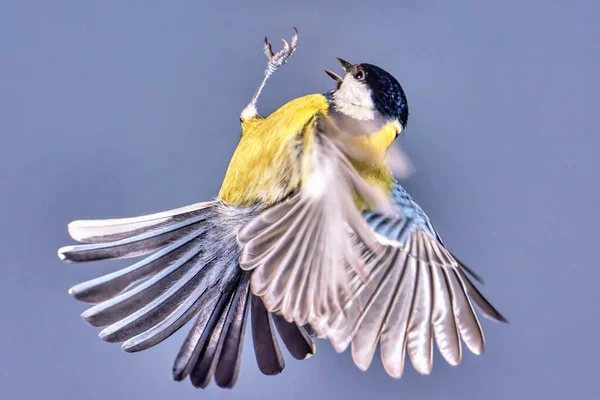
(368, 93)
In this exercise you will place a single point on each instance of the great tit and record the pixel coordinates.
(310, 230)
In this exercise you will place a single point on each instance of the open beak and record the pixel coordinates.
(334, 76)
(346, 66)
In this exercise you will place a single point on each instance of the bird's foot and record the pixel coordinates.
(278, 59)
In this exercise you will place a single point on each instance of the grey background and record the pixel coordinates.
(121, 108)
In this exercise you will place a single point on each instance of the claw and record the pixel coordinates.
(286, 46)
(268, 49)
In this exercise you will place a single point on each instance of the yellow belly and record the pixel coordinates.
(265, 166)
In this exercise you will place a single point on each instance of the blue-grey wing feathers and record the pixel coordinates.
(190, 270)
(416, 292)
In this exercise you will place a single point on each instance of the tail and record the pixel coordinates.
(190, 270)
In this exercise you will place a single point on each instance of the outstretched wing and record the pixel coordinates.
(298, 249)
(416, 291)
(190, 270)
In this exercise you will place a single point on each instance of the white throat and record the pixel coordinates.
(353, 99)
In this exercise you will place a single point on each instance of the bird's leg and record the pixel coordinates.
(276, 60)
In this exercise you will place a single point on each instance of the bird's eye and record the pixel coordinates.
(359, 75)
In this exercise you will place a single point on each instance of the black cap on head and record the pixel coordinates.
(387, 94)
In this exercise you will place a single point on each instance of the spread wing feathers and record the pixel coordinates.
(297, 249)
(298, 341)
(110, 230)
(412, 295)
(268, 355)
(132, 237)
(416, 291)
(221, 349)
(191, 269)
(399, 162)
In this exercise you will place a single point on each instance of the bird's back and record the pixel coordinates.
(265, 166)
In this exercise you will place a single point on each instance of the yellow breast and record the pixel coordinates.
(265, 166)
(375, 170)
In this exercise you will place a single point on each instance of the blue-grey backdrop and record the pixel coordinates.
(120, 108)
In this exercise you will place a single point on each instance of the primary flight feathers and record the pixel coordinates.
(190, 270)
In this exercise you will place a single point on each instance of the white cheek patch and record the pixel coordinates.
(353, 98)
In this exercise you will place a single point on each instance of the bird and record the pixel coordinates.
(311, 234)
